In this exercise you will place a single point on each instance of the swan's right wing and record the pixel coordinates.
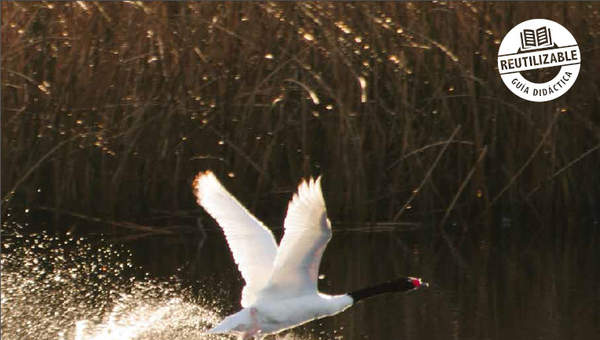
(251, 243)
(307, 232)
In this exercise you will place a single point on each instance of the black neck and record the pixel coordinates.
(399, 285)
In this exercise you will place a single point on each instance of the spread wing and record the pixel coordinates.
(307, 232)
(251, 243)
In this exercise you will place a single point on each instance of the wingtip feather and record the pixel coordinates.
(309, 190)
(202, 179)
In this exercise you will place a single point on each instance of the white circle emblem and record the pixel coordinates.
(538, 44)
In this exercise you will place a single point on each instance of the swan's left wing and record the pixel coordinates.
(307, 232)
(251, 243)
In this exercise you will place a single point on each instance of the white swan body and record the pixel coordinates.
(268, 317)
(281, 282)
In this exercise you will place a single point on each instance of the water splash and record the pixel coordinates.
(72, 289)
(135, 319)
(68, 288)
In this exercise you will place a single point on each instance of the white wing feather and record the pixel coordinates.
(251, 243)
(307, 232)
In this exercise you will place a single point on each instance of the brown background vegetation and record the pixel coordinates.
(109, 109)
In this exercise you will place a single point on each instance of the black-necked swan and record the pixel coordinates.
(281, 282)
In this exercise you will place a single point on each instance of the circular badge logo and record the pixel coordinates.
(535, 45)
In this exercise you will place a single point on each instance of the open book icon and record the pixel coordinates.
(534, 39)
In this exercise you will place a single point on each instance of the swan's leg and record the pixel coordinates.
(254, 319)
(254, 330)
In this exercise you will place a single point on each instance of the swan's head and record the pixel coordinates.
(402, 284)
(408, 283)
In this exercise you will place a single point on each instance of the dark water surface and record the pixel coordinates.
(525, 287)
(522, 288)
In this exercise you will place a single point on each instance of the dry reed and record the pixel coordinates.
(109, 109)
